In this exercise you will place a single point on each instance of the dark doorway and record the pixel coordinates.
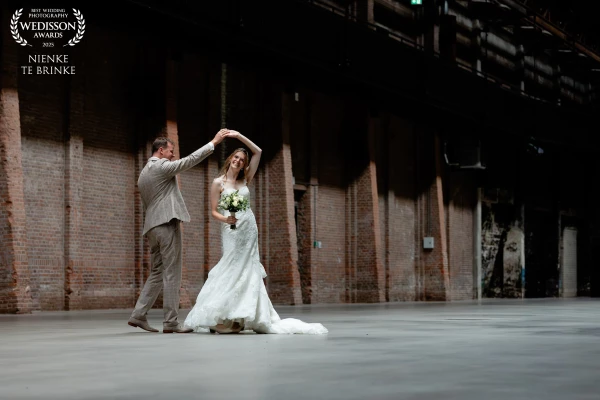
(541, 254)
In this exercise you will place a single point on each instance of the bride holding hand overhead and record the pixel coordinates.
(234, 297)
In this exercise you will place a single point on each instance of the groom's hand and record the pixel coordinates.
(222, 134)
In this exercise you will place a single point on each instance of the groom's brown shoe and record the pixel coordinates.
(136, 323)
(176, 329)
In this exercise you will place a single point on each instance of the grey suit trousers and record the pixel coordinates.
(166, 255)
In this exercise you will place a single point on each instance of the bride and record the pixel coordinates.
(234, 297)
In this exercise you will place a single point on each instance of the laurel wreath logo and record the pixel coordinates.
(80, 29)
(14, 30)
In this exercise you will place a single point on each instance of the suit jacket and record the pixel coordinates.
(161, 198)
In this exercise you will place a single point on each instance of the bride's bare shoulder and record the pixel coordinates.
(218, 182)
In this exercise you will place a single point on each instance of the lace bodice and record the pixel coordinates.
(242, 191)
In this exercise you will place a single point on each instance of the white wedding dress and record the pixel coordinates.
(235, 291)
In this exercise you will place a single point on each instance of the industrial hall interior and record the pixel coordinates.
(411, 152)
(292, 199)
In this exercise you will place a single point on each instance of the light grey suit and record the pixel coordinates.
(164, 208)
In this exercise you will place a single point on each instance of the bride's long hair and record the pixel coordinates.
(242, 174)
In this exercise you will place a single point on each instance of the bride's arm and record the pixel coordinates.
(256, 152)
(215, 193)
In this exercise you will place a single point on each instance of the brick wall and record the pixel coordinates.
(104, 265)
(43, 168)
(409, 205)
(396, 186)
(255, 108)
(79, 174)
(362, 184)
(284, 280)
(298, 125)
(44, 123)
(305, 210)
(198, 119)
(461, 203)
(15, 287)
(432, 264)
(332, 273)
(362, 200)
(150, 111)
(370, 280)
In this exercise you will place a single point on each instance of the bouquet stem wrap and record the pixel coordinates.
(232, 213)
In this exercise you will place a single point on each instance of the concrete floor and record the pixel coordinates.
(507, 349)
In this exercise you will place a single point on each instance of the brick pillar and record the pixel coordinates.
(74, 181)
(312, 196)
(307, 261)
(171, 132)
(371, 279)
(15, 291)
(366, 274)
(441, 221)
(73, 219)
(307, 203)
(284, 278)
(434, 279)
(351, 219)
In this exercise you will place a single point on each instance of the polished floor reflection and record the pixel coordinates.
(518, 349)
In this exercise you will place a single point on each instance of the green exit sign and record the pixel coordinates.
(417, 2)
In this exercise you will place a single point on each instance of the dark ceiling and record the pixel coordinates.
(575, 16)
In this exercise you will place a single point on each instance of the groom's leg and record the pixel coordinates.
(153, 284)
(172, 258)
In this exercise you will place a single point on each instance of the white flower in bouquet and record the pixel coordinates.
(233, 203)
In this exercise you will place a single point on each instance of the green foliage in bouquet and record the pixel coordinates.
(233, 203)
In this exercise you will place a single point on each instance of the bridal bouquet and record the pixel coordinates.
(233, 203)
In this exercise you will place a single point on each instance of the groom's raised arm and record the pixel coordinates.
(172, 168)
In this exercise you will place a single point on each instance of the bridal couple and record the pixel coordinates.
(234, 297)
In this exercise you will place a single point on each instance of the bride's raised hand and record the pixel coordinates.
(222, 134)
(233, 134)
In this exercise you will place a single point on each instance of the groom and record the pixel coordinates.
(165, 208)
